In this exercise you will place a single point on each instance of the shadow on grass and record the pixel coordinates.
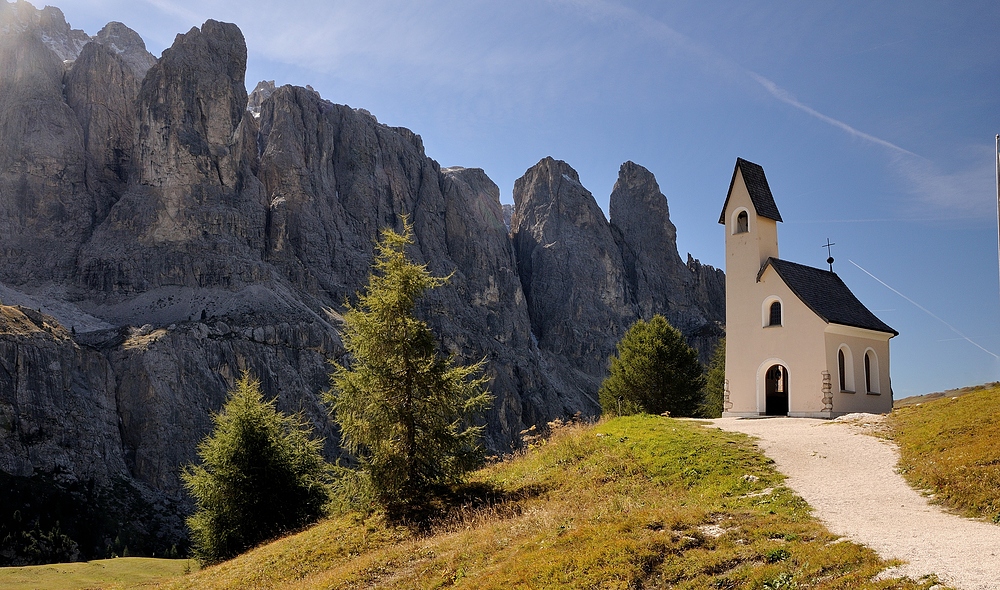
(460, 506)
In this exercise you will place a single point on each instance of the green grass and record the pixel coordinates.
(104, 573)
(634, 502)
(949, 447)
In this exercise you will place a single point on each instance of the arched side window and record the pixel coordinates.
(845, 368)
(771, 312)
(871, 372)
(741, 221)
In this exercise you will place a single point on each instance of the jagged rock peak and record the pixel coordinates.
(261, 92)
(639, 208)
(571, 273)
(49, 23)
(659, 281)
(203, 72)
(129, 45)
(66, 42)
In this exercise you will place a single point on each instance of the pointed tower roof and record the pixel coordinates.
(760, 193)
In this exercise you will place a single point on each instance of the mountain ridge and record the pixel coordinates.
(182, 230)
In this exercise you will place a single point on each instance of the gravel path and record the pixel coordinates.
(850, 480)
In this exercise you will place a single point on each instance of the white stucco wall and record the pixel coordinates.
(804, 344)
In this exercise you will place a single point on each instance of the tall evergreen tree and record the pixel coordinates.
(653, 371)
(261, 475)
(403, 410)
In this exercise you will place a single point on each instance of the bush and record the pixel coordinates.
(715, 383)
(654, 371)
(261, 475)
(404, 411)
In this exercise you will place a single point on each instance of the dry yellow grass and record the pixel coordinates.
(634, 502)
(948, 447)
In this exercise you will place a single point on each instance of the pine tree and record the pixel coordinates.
(404, 411)
(715, 383)
(261, 475)
(654, 371)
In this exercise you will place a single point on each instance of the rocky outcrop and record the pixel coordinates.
(260, 93)
(586, 280)
(57, 405)
(195, 214)
(572, 274)
(45, 211)
(47, 25)
(127, 44)
(688, 295)
(102, 90)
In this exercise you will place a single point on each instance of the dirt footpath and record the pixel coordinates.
(850, 480)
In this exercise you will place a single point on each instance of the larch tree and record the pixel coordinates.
(405, 412)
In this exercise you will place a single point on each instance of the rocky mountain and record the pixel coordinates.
(161, 230)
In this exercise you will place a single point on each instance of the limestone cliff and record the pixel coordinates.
(177, 231)
(691, 296)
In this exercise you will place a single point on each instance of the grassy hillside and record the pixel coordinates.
(949, 447)
(958, 392)
(93, 574)
(634, 502)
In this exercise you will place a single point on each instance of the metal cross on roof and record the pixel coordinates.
(829, 250)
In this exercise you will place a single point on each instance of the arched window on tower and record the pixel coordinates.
(775, 319)
(742, 222)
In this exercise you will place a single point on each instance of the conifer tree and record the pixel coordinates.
(261, 475)
(404, 411)
(653, 371)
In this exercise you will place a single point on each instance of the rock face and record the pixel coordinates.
(57, 404)
(587, 280)
(572, 274)
(691, 296)
(178, 231)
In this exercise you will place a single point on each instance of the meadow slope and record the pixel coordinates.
(635, 502)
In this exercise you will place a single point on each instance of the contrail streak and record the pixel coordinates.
(785, 97)
(925, 310)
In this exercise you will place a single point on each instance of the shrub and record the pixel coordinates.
(654, 371)
(715, 383)
(261, 474)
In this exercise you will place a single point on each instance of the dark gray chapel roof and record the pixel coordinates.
(760, 192)
(826, 294)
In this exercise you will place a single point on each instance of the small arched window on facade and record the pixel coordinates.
(845, 368)
(842, 366)
(871, 372)
(742, 223)
(868, 372)
(775, 317)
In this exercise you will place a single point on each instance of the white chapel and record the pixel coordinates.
(798, 342)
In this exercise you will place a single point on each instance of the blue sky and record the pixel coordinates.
(874, 121)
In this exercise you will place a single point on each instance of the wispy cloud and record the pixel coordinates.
(176, 10)
(962, 193)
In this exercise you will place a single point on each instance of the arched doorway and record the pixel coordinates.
(776, 391)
